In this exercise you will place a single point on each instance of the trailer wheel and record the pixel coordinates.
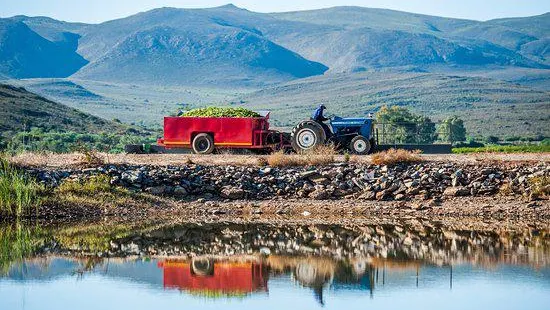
(360, 145)
(203, 143)
(306, 136)
(202, 266)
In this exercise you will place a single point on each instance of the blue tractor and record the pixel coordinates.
(353, 134)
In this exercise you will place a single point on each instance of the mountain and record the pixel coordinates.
(26, 54)
(22, 110)
(352, 38)
(488, 106)
(230, 46)
(174, 46)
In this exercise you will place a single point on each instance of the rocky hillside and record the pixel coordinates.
(22, 110)
(511, 108)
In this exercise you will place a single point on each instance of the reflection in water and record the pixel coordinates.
(223, 262)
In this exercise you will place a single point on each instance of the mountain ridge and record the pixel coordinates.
(343, 39)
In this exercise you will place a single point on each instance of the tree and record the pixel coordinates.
(492, 140)
(452, 130)
(399, 125)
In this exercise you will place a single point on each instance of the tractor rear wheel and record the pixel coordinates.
(203, 143)
(306, 136)
(360, 145)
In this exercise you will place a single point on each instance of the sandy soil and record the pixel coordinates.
(75, 159)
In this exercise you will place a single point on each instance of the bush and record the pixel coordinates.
(492, 140)
(395, 156)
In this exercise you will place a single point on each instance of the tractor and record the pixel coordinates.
(353, 134)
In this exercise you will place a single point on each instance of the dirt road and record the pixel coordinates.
(74, 159)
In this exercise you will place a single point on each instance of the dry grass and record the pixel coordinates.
(322, 155)
(91, 158)
(395, 156)
(540, 186)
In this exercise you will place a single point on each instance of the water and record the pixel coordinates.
(246, 266)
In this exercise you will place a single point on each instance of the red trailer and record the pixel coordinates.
(204, 134)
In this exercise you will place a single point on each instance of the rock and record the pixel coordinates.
(266, 170)
(309, 174)
(130, 248)
(399, 197)
(306, 213)
(131, 176)
(265, 251)
(180, 191)
(383, 195)
(456, 191)
(369, 195)
(156, 190)
(407, 241)
(319, 194)
(232, 193)
(320, 180)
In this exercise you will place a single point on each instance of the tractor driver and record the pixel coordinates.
(319, 118)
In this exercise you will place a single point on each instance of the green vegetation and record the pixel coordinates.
(19, 194)
(220, 112)
(452, 129)
(96, 191)
(525, 148)
(399, 125)
(33, 123)
(65, 142)
(17, 241)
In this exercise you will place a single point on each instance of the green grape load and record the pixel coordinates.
(220, 112)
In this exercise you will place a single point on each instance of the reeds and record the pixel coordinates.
(19, 194)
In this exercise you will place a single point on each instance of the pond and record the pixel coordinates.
(252, 266)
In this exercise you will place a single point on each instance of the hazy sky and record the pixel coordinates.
(93, 11)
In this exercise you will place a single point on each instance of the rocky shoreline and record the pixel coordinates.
(434, 181)
(413, 240)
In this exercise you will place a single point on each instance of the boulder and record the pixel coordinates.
(319, 194)
(456, 191)
(232, 193)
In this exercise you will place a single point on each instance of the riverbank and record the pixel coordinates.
(514, 188)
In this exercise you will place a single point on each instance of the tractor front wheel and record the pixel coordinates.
(360, 145)
(203, 143)
(306, 136)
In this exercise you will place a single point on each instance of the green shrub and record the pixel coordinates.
(18, 193)
(526, 148)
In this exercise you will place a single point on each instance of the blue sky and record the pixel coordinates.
(94, 11)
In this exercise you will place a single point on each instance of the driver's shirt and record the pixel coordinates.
(318, 115)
